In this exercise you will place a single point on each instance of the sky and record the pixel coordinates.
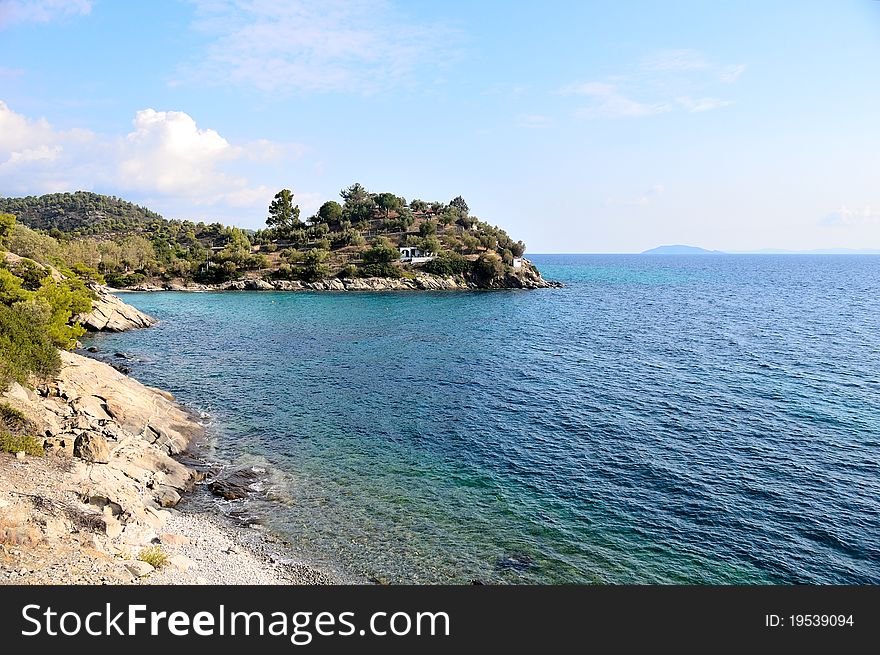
(576, 126)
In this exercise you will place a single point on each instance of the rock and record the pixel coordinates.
(92, 349)
(234, 485)
(125, 370)
(20, 454)
(112, 526)
(91, 448)
(138, 535)
(181, 562)
(122, 355)
(166, 496)
(60, 446)
(172, 539)
(138, 568)
(113, 315)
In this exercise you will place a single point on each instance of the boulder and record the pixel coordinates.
(109, 313)
(138, 568)
(61, 445)
(91, 447)
(180, 562)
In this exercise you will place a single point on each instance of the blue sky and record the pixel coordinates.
(577, 126)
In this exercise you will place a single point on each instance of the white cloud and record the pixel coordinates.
(676, 60)
(644, 198)
(166, 155)
(669, 79)
(609, 102)
(853, 217)
(731, 74)
(696, 105)
(40, 11)
(534, 121)
(311, 45)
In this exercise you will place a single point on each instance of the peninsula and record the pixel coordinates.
(368, 242)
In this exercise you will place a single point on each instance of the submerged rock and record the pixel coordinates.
(234, 485)
(515, 562)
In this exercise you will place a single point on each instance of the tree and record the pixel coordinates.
(430, 245)
(488, 266)
(359, 203)
(7, 225)
(459, 204)
(428, 228)
(382, 252)
(330, 213)
(283, 215)
(388, 203)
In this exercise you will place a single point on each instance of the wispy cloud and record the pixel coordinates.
(358, 46)
(644, 198)
(165, 155)
(40, 11)
(663, 82)
(853, 217)
(675, 60)
(731, 74)
(610, 102)
(696, 105)
(534, 121)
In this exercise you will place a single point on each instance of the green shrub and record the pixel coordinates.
(16, 443)
(154, 556)
(349, 270)
(381, 270)
(13, 419)
(25, 345)
(122, 280)
(448, 263)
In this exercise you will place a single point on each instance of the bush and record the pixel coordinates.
(154, 556)
(12, 418)
(448, 263)
(25, 346)
(122, 280)
(382, 252)
(349, 270)
(381, 270)
(488, 266)
(16, 443)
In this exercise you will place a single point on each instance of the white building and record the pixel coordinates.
(408, 252)
(517, 262)
(415, 256)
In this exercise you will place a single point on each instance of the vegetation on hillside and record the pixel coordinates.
(124, 244)
(37, 303)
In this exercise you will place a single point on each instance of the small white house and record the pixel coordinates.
(409, 252)
(413, 255)
(517, 262)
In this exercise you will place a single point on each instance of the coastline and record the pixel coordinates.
(109, 483)
(527, 277)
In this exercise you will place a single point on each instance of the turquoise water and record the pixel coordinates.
(658, 420)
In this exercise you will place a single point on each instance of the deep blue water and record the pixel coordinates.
(709, 419)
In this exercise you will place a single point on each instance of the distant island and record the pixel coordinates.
(369, 241)
(680, 250)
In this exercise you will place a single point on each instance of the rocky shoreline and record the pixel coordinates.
(526, 278)
(105, 491)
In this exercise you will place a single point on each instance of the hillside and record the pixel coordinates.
(80, 213)
(367, 235)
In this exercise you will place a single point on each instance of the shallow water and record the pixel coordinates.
(689, 419)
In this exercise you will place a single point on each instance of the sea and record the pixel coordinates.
(658, 420)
